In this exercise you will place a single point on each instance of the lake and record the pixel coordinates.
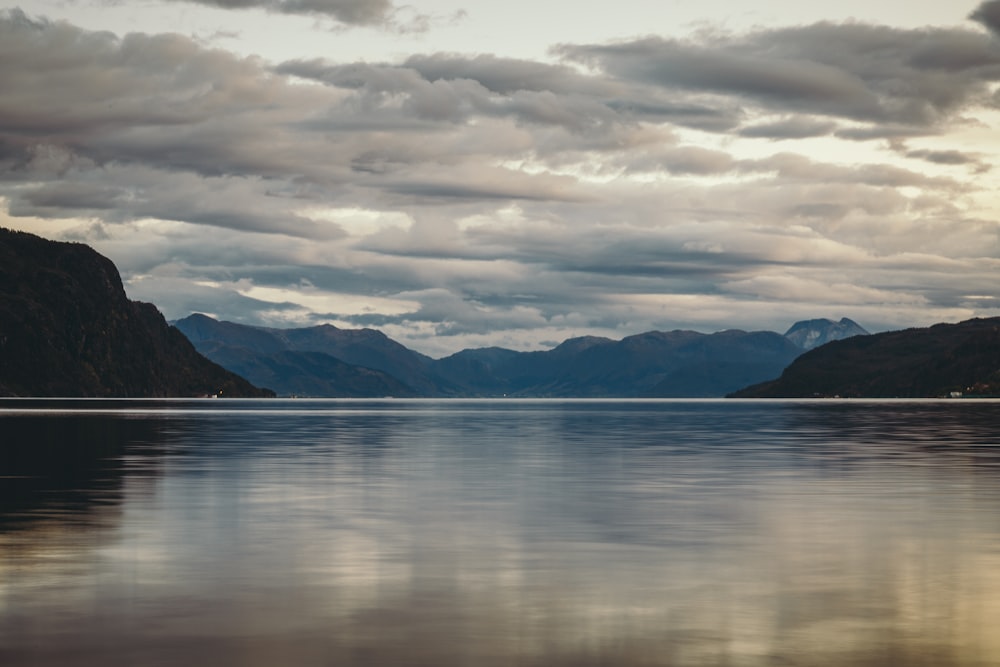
(499, 532)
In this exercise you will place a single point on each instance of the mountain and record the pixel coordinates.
(312, 374)
(475, 372)
(314, 361)
(369, 348)
(68, 329)
(813, 333)
(913, 363)
(651, 364)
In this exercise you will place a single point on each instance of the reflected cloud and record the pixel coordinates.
(520, 533)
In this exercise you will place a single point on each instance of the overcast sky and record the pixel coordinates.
(515, 173)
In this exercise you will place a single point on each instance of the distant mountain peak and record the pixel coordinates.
(580, 343)
(808, 334)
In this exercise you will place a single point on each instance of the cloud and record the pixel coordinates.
(623, 189)
(797, 167)
(509, 75)
(455, 89)
(950, 157)
(349, 12)
(943, 156)
(158, 79)
(795, 127)
(441, 91)
(240, 144)
(490, 184)
(988, 14)
(877, 75)
(683, 160)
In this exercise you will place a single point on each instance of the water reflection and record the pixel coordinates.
(500, 533)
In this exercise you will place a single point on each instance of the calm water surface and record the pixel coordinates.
(486, 533)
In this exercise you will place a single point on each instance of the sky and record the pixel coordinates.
(463, 174)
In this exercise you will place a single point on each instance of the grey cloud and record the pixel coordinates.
(618, 257)
(450, 88)
(354, 75)
(717, 115)
(871, 74)
(353, 12)
(450, 191)
(175, 107)
(731, 70)
(828, 211)
(456, 100)
(496, 194)
(59, 195)
(453, 314)
(947, 157)
(228, 256)
(827, 203)
(794, 167)
(178, 297)
(890, 131)
(508, 75)
(170, 102)
(796, 127)
(120, 194)
(160, 80)
(988, 14)
(683, 160)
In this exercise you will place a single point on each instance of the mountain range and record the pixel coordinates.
(328, 361)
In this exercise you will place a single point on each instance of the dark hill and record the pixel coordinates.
(68, 329)
(368, 348)
(913, 363)
(475, 370)
(320, 361)
(308, 374)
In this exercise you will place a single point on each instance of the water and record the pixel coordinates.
(485, 533)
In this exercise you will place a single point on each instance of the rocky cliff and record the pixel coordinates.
(68, 329)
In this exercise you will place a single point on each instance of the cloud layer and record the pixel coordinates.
(457, 200)
(349, 12)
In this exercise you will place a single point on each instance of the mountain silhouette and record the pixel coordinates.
(68, 329)
(651, 364)
(942, 360)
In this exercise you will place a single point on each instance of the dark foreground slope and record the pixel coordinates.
(68, 329)
(913, 363)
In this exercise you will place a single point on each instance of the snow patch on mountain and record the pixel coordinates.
(808, 334)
